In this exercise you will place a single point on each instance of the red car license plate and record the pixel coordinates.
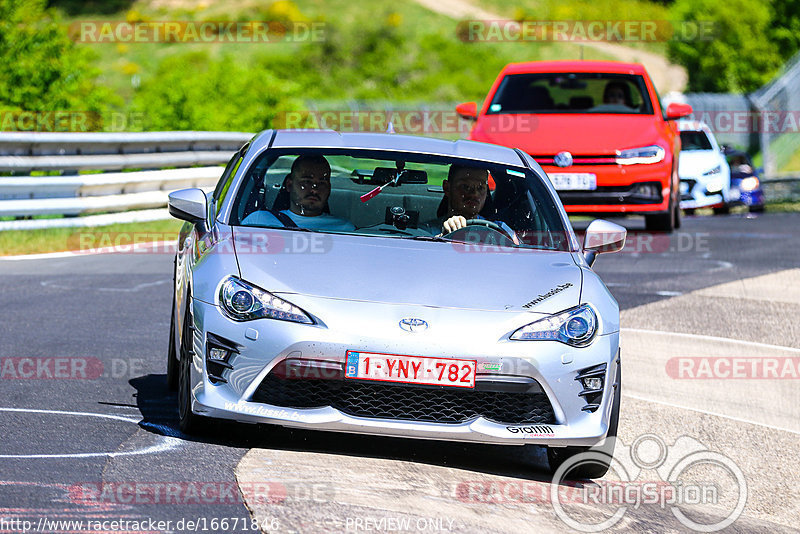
(411, 369)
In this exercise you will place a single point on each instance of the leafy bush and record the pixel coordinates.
(41, 69)
(192, 91)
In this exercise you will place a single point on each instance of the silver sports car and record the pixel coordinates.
(394, 285)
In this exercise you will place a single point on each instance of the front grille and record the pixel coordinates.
(688, 194)
(602, 159)
(411, 403)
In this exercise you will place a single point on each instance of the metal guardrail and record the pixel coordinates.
(133, 196)
(782, 188)
(70, 194)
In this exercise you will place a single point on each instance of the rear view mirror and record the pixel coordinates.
(676, 111)
(467, 110)
(188, 205)
(603, 236)
(384, 175)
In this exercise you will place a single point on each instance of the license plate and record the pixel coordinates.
(411, 369)
(581, 181)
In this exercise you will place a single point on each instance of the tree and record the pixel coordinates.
(739, 57)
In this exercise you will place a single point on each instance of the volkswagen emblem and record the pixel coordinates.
(563, 159)
(412, 324)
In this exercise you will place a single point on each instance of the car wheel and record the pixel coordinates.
(689, 211)
(603, 454)
(190, 423)
(172, 360)
(661, 222)
(677, 217)
(722, 210)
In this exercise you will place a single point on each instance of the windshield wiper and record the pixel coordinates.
(436, 238)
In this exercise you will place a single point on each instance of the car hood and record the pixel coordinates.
(580, 134)
(693, 163)
(401, 271)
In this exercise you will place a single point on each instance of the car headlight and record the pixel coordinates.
(575, 327)
(749, 184)
(712, 172)
(645, 154)
(244, 302)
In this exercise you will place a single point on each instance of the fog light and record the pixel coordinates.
(648, 190)
(215, 353)
(594, 382)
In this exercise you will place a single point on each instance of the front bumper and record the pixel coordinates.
(695, 195)
(619, 188)
(501, 365)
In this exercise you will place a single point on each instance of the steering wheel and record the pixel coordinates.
(488, 224)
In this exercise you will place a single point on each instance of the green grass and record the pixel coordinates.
(14, 242)
(783, 206)
(123, 63)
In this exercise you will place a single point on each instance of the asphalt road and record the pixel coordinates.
(89, 431)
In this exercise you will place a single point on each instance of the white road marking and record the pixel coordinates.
(712, 338)
(167, 442)
(715, 414)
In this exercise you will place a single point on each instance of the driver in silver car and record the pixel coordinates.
(465, 191)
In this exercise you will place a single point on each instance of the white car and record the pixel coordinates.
(705, 177)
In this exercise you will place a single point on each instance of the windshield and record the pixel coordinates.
(401, 195)
(571, 93)
(693, 140)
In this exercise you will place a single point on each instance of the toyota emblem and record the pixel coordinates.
(412, 324)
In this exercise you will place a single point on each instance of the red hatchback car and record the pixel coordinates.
(598, 130)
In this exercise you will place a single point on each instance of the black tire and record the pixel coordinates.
(663, 222)
(689, 211)
(601, 461)
(172, 359)
(722, 210)
(677, 216)
(190, 423)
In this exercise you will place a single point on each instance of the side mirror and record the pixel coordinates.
(188, 205)
(468, 110)
(676, 111)
(603, 236)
